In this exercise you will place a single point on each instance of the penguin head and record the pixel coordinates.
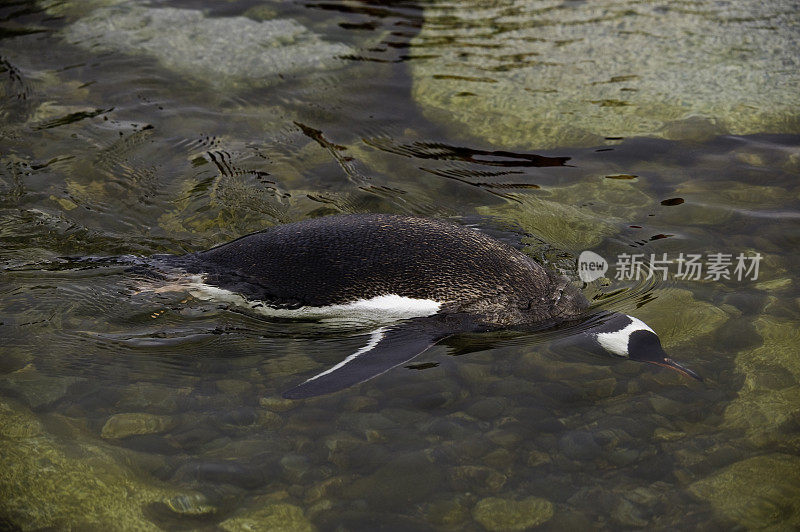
(628, 337)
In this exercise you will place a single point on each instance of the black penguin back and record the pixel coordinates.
(344, 258)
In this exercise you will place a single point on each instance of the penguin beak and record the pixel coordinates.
(667, 362)
(644, 346)
(660, 358)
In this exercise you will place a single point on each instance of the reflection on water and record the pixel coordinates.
(160, 410)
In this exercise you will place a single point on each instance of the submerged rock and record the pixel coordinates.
(517, 73)
(16, 422)
(279, 516)
(566, 225)
(759, 492)
(498, 514)
(678, 317)
(34, 387)
(135, 423)
(579, 216)
(218, 50)
(402, 480)
(475, 478)
(152, 397)
(75, 8)
(190, 505)
(447, 513)
(45, 484)
(770, 396)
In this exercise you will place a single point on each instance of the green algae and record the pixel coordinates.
(759, 493)
(497, 514)
(546, 75)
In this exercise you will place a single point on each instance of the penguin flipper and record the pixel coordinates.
(387, 348)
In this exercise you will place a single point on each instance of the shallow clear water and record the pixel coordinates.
(146, 128)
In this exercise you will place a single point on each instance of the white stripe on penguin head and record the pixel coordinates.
(617, 341)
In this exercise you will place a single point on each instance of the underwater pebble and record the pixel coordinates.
(135, 423)
(233, 386)
(663, 434)
(220, 472)
(475, 374)
(277, 404)
(475, 478)
(268, 420)
(474, 446)
(775, 285)
(602, 388)
(610, 437)
(326, 488)
(579, 445)
(497, 514)
(504, 438)
(666, 407)
(266, 447)
(537, 458)
(280, 516)
(359, 403)
(306, 421)
(295, 467)
(193, 505)
(570, 520)
(363, 421)
(399, 481)
(487, 408)
(318, 507)
(189, 437)
(499, 459)
(449, 513)
(369, 457)
(622, 457)
(343, 441)
(239, 417)
(626, 514)
(150, 397)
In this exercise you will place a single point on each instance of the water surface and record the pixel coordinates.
(130, 409)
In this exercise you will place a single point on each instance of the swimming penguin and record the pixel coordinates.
(425, 279)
